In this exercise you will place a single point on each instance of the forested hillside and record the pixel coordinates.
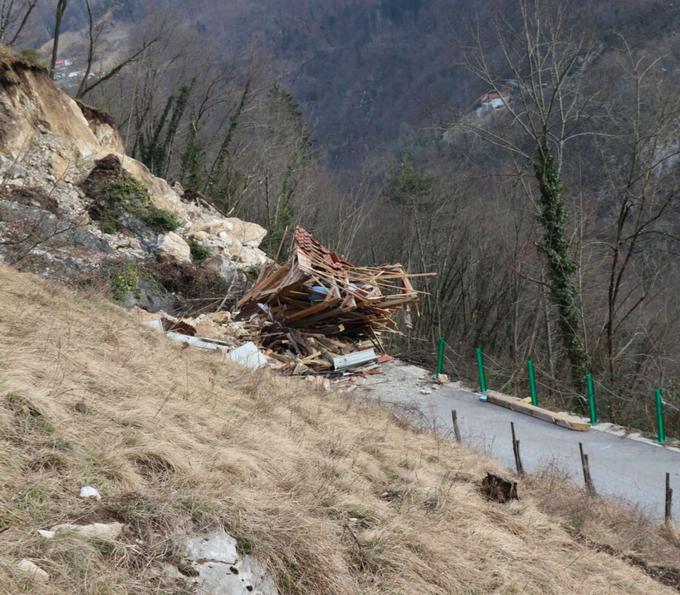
(368, 72)
(525, 151)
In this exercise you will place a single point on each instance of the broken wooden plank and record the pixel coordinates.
(563, 420)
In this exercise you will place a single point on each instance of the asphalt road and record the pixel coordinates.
(627, 469)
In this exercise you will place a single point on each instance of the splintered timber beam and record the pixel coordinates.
(560, 419)
(371, 294)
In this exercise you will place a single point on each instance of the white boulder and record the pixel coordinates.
(174, 246)
(33, 571)
(249, 356)
(249, 234)
(90, 492)
(223, 571)
(107, 531)
(252, 257)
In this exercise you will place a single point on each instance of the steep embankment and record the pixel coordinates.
(75, 208)
(333, 496)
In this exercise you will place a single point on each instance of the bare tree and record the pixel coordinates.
(539, 83)
(92, 36)
(13, 18)
(644, 191)
(58, 17)
(94, 31)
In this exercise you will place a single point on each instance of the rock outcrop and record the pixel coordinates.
(72, 204)
(221, 570)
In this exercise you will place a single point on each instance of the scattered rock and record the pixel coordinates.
(441, 379)
(252, 258)
(174, 246)
(243, 232)
(32, 571)
(107, 531)
(222, 570)
(425, 391)
(33, 197)
(10, 169)
(90, 492)
(248, 234)
(248, 355)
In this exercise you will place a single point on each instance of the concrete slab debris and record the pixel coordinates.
(358, 358)
(198, 342)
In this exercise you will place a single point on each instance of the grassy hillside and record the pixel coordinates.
(334, 496)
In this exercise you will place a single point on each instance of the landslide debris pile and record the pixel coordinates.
(319, 307)
(75, 208)
(317, 314)
(327, 494)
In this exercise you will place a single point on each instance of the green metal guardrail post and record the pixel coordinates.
(532, 383)
(440, 357)
(659, 417)
(592, 399)
(480, 367)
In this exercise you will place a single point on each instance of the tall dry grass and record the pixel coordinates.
(335, 496)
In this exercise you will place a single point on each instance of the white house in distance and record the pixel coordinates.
(492, 100)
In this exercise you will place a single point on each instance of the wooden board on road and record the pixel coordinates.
(563, 420)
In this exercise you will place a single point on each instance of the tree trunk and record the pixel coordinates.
(58, 16)
(561, 267)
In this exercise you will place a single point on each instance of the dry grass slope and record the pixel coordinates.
(335, 496)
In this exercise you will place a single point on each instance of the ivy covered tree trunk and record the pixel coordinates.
(561, 267)
(155, 148)
(192, 158)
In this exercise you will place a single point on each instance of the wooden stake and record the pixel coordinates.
(456, 430)
(590, 487)
(515, 450)
(669, 499)
(283, 239)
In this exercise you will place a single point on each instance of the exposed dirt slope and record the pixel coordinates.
(333, 496)
(55, 221)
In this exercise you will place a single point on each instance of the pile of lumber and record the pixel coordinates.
(318, 307)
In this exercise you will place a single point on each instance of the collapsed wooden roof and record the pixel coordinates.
(317, 291)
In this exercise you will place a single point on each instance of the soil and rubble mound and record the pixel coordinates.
(76, 209)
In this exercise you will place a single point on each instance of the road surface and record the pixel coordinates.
(628, 469)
